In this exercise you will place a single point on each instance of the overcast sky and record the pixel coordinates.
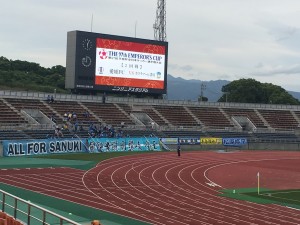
(208, 39)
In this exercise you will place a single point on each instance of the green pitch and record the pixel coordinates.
(290, 198)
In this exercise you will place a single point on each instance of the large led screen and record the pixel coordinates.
(116, 63)
(129, 64)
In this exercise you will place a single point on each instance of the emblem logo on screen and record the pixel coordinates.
(158, 74)
(103, 54)
(100, 70)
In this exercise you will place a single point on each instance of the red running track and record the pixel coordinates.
(162, 188)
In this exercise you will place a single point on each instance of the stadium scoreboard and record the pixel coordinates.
(102, 62)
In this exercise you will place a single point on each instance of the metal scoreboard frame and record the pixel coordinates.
(110, 63)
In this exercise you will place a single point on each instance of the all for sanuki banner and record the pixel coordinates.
(122, 63)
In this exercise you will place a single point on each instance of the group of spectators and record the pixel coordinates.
(104, 131)
(50, 99)
(72, 123)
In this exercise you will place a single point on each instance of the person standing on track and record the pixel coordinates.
(178, 148)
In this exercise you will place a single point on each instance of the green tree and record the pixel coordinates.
(23, 75)
(252, 91)
(58, 69)
(4, 64)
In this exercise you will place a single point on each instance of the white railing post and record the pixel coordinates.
(29, 207)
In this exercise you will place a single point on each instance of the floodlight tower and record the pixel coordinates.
(160, 21)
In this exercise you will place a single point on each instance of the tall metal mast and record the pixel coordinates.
(160, 21)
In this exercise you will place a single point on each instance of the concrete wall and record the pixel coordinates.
(249, 146)
(274, 146)
(1, 149)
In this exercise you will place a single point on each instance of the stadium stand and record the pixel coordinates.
(211, 117)
(109, 113)
(185, 133)
(297, 113)
(249, 113)
(228, 134)
(171, 118)
(12, 134)
(146, 133)
(10, 116)
(279, 119)
(157, 118)
(176, 115)
(20, 104)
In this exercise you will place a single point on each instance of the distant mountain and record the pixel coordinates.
(295, 94)
(181, 89)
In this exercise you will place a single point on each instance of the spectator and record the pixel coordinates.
(74, 116)
(178, 148)
(86, 114)
(92, 131)
(58, 133)
(103, 97)
(48, 99)
(81, 128)
(69, 116)
(52, 118)
(65, 126)
(52, 99)
(152, 125)
(76, 126)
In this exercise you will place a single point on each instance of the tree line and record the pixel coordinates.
(29, 76)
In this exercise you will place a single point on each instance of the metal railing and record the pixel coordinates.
(29, 213)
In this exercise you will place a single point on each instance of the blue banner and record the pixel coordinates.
(234, 141)
(42, 146)
(123, 144)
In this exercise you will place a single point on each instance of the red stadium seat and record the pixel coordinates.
(3, 215)
(10, 220)
(3, 221)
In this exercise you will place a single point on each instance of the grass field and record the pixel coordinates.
(289, 198)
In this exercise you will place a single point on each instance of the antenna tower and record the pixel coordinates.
(160, 21)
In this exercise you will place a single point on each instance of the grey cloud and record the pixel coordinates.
(259, 65)
(283, 34)
(265, 70)
(186, 68)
